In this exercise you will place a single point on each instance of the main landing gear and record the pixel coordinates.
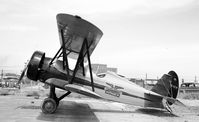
(49, 106)
(51, 103)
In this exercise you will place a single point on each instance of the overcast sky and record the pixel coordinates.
(140, 36)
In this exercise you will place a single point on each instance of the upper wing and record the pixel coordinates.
(81, 90)
(73, 30)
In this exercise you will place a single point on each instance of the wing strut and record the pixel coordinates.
(80, 61)
(62, 51)
(78, 39)
(90, 68)
(65, 59)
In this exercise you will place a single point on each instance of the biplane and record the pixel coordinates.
(78, 39)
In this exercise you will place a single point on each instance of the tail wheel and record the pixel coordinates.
(35, 63)
(49, 106)
(173, 91)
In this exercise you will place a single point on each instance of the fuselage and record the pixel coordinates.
(113, 87)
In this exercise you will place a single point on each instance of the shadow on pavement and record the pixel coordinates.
(160, 113)
(71, 112)
(155, 112)
(111, 111)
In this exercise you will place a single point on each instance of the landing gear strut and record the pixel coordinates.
(51, 103)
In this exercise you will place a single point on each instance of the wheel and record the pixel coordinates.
(49, 106)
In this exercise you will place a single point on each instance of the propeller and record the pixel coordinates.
(22, 74)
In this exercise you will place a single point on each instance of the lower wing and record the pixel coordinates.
(81, 90)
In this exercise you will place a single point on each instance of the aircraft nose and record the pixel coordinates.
(35, 63)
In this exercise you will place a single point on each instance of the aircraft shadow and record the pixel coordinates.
(75, 112)
(155, 112)
(111, 111)
(71, 112)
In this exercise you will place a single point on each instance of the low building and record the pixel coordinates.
(9, 80)
(101, 68)
(139, 82)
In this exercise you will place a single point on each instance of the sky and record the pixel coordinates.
(140, 36)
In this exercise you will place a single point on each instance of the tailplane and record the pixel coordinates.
(167, 86)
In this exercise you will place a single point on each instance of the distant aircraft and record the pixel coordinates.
(78, 39)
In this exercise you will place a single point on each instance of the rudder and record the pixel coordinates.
(167, 85)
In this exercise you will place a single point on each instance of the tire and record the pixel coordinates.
(49, 106)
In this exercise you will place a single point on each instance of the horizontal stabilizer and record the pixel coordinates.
(81, 90)
(174, 101)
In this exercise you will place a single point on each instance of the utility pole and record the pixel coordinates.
(1, 75)
(145, 79)
(182, 80)
(195, 79)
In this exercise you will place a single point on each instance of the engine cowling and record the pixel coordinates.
(35, 64)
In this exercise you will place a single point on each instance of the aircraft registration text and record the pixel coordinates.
(113, 90)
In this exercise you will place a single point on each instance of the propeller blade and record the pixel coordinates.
(22, 75)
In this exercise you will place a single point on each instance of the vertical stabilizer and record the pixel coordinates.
(167, 85)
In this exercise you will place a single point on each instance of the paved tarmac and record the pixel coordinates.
(19, 108)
